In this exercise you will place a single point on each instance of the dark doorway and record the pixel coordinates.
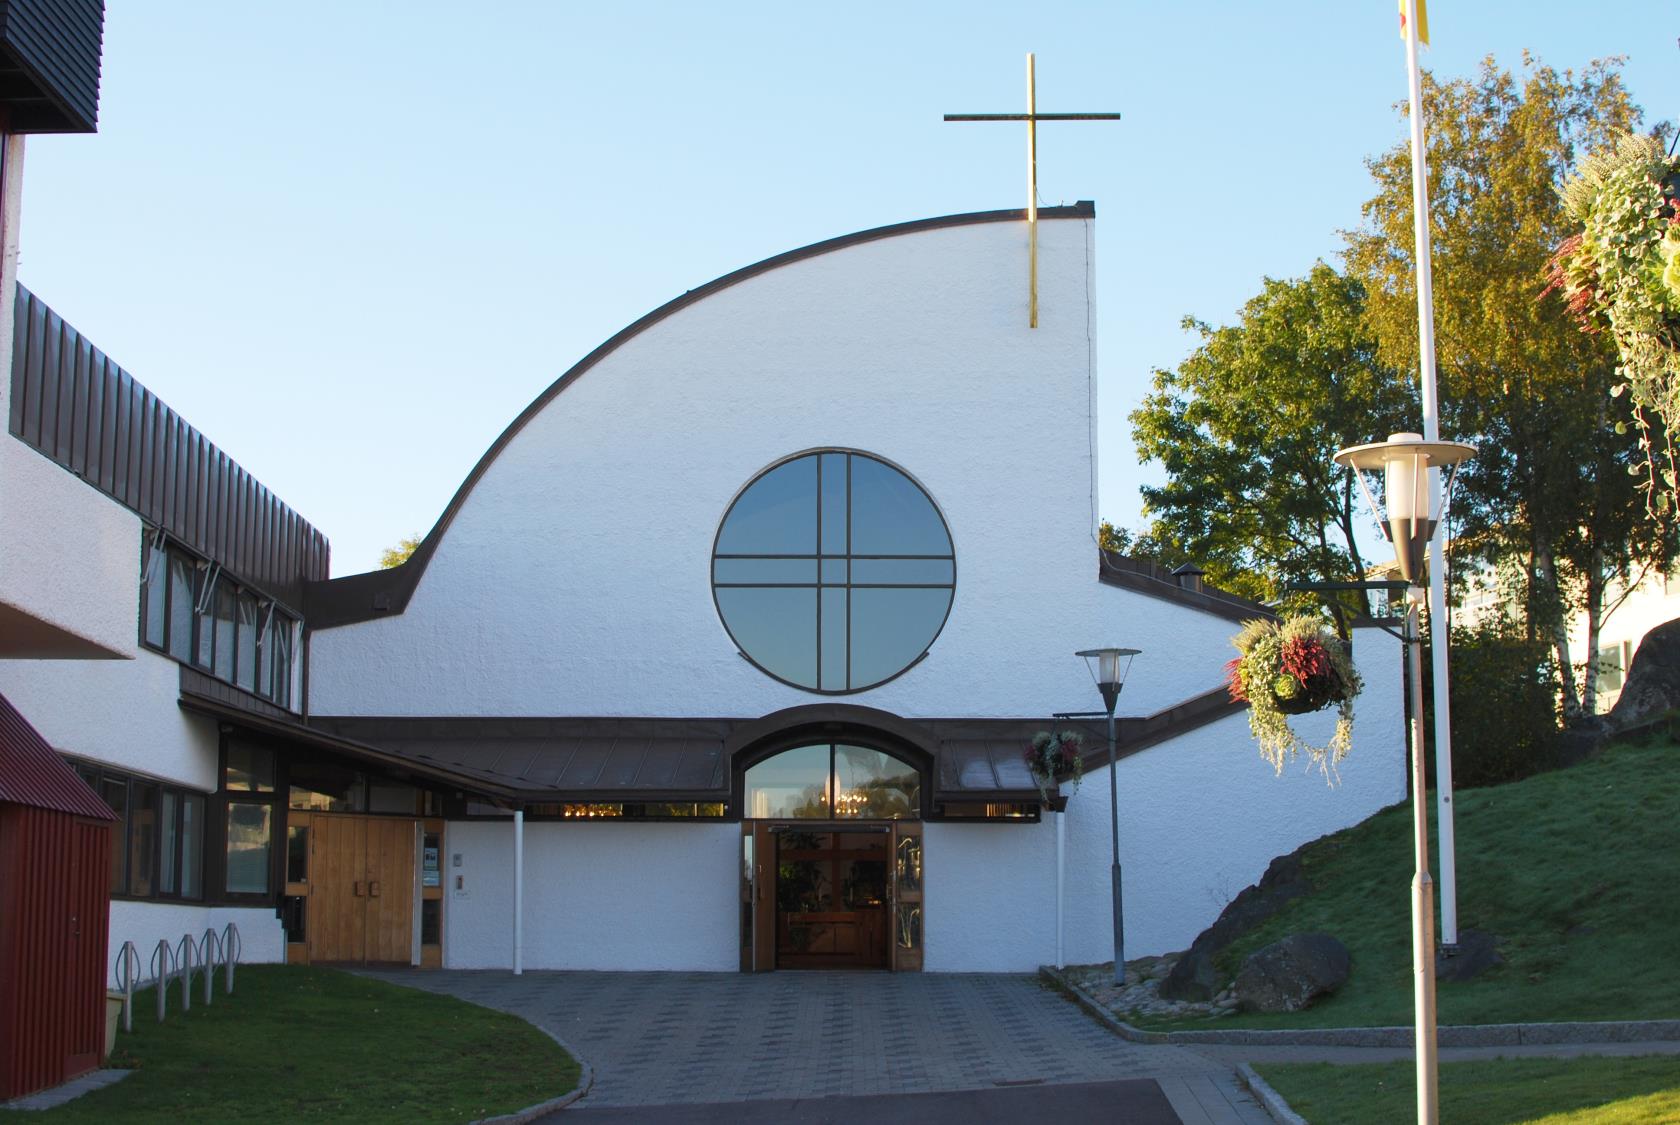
(832, 900)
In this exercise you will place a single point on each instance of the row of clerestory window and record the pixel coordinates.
(194, 611)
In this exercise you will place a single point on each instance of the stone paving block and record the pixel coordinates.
(712, 1037)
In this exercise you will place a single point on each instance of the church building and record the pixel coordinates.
(725, 656)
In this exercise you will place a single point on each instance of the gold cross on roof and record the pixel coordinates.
(1032, 117)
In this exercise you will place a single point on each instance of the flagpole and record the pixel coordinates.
(1438, 630)
(1423, 953)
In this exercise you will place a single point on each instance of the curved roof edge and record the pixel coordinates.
(378, 593)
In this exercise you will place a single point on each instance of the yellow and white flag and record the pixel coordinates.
(1423, 22)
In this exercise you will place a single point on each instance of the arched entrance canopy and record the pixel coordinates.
(831, 761)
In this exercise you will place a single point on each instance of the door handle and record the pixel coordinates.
(373, 889)
(356, 888)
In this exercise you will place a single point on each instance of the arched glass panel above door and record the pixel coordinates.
(833, 571)
(832, 781)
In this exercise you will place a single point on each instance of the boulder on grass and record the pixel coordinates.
(1291, 974)
(1477, 952)
(1194, 976)
(1653, 681)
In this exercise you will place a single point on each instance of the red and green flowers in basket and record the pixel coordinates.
(1054, 758)
(1293, 667)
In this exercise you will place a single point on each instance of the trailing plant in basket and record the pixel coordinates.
(1622, 272)
(1055, 758)
(1293, 667)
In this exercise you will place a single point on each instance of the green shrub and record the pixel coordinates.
(1504, 705)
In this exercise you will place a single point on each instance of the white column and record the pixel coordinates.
(11, 207)
(518, 891)
(1061, 883)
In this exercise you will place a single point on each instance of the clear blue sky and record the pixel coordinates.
(351, 241)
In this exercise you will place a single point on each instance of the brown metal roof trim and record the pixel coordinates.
(615, 759)
(73, 405)
(32, 774)
(648, 759)
(1145, 577)
(362, 597)
(290, 730)
(997, 739)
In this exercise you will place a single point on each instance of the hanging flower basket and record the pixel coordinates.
(1293, 667)
(1054, 759)
(1622, 272)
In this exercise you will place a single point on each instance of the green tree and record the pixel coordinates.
(1245, 429)
(1136, 544)
(1550, 480)
(396, 556)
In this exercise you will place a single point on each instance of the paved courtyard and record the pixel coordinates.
(666, 1038)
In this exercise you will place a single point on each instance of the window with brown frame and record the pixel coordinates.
(157, 847)
(193, 611)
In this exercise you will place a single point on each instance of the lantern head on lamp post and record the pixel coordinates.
(1410, 510)
(1108, 668)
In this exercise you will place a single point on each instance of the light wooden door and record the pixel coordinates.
(361, 899)
(338, 892)
(908, 895)
(390, 890)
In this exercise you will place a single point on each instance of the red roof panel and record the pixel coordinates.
(32, 774)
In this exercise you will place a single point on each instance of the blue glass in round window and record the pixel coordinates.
(833, 571)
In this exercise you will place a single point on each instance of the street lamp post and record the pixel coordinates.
(1411, 511)
(1109, 673)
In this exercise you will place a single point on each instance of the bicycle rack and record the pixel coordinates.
(209, 953)
(184, 966)
(128, 968)
(232, 947)
(181, 960)
(163, 968)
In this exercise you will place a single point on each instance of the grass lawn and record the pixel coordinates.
(1579, 1091)
(295, 1042)
(1574, 870)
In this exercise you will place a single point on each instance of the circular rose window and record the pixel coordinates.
(833, 571)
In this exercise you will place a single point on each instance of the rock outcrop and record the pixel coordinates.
(1291, 974)
(1194, 977)
(1653, 681)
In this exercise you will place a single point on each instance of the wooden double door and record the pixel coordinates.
(361, 902)
(832, 895)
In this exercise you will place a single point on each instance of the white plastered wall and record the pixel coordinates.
(586, 546)
(658, 896)
(65, 550)
(261, 938)
(124, 714)
(1200, 818)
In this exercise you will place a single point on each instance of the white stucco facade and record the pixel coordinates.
(588, 540)
(549, 592)
(597, 896)
(66, 553)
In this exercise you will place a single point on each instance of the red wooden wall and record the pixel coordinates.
(55, 883)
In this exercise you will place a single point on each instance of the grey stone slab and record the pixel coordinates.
(68, 1091)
